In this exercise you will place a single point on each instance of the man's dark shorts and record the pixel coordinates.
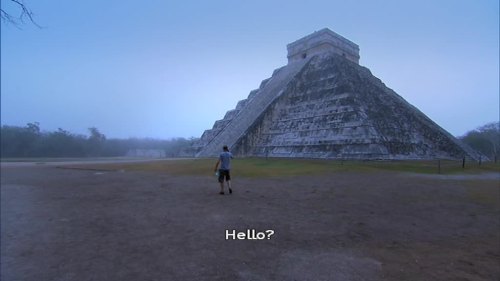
(224, 173)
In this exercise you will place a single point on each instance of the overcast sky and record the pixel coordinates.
(167, 69)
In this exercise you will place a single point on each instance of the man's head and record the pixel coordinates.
(225, 148)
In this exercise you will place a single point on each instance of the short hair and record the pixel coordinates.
(225, 148)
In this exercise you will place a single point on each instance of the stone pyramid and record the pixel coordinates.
(323, 104)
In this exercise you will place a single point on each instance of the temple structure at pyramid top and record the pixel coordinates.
(322, 41)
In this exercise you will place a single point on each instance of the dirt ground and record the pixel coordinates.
(73, 224)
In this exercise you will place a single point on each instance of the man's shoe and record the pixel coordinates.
(221, 193)
(230, 191)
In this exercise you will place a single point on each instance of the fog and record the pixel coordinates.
(161, 69)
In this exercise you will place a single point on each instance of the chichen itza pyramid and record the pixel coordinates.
(323, 104)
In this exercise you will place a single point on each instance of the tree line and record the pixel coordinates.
(485, 139)
(30, 141)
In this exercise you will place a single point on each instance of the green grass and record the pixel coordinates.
(257, 167)
(279, 167)
(449, 167)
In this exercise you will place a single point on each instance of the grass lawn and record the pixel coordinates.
(261, 167)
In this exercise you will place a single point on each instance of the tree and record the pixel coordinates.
(95, 142)
(60, 143)
(33, 128)
(24, 13)
(96, 136)
(485, 139)
(19, 141)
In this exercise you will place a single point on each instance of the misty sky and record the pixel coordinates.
(167, 69)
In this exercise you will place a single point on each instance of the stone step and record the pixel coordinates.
(269, 91)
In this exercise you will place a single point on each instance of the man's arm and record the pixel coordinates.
(216, 165)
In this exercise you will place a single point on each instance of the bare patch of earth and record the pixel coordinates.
(66, 224)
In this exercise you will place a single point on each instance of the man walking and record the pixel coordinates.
(225, 166)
